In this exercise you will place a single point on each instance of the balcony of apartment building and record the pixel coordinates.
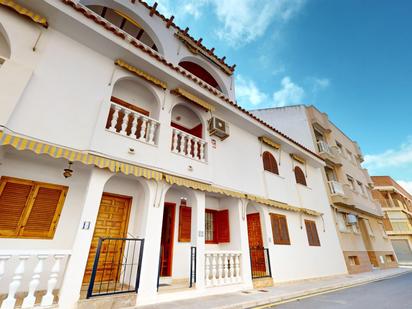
(327, 152)
(397, 223)
(318, 119)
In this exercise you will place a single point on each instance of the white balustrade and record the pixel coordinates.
(26, 272)
(324, 147)
(222, 268)
(133, 124)
(188, 145)
(336, 188)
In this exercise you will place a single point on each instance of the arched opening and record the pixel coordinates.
(201, 73)
(126, 22)
(133, 111)
(5, 51)
(184, 119)
(300, 176)
(269, 163)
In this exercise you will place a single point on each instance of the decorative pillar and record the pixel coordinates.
(14, 285)
(30, 299)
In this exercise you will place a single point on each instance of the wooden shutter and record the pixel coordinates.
(269, 163)
(185, 224)
(312, 233)
(280, 230)
(300, 176)
(29, 209)
(222, 226)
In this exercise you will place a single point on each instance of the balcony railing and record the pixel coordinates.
(29, 278)
(325, 148)
(336, 188)
(188, 145)
(130, 123)
(398, 225)
(222, 268)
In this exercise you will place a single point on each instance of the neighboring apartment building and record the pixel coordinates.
(127, 167)
(396, 204)
(358, 217)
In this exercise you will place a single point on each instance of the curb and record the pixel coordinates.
(266, 303)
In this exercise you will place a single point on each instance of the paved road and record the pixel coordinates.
(393, 293)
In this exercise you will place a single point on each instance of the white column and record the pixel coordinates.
(14, 285)
(3, 260)
(152, 131)
(125, 121)
(196, 144)
(134, 125)
(115, 118)
(47, 299)
(202, 151)
(142, 136)
(30, 299)
(220, 268)
(189, 146)
(72, 282)
(226, 267)
(182, 143)
(175, 139)
(198, 238)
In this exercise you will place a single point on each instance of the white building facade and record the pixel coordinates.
(126, 167)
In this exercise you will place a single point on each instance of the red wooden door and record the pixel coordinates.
(257, 254)
(167, 239)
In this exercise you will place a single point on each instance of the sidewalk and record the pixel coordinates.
(280, 292)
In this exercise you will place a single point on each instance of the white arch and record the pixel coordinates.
(5, 48)
(210, 69)
(124, 8)
(193, 110)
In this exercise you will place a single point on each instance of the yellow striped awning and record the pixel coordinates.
(25, 12)
(21, 143)
(269, 142)
(194, 99)
(297, 158)
(141, 74)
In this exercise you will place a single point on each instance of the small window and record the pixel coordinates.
(340, 148)
(351, 182)
(354, 260)
(312, 233)
(29, 209)
(362, 188)
(300, 176)
(280, 229)
(217, 229)
(390, 258)
(269, 163)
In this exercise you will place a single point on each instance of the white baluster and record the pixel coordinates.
(3, 259)
(189, 146)
(214, 272)
(220, 269)
(125, 121)
(47, 299)
(175, 140)
(134, 125)
(115, 118)
(30, 299)
(207, 270)
(232, 268)
(143, 129)
(152, 132)
(226, 267)
(182, 143)
(202, 151)
(237, 267)
(10, 301)
(196, 143)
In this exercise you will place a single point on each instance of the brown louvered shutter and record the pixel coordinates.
(284, 230)
(13, 200)
(185, 223)
(269, 163)
(275, 229)
(300, 176)
(280, 229)
(45, 211)
(312, 233)
(222, 225)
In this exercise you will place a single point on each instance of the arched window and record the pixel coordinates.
(200, 72)
(300, 176)
(269, 163)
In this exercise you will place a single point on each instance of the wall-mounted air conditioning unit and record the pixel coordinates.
(351, 219)
(218, 127)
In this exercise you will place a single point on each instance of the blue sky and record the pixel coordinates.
(350, 58)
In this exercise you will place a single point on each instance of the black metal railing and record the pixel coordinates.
(117, 266)
(193, 253)
(260, 263)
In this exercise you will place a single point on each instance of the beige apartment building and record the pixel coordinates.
(358, 217)
(396, 205)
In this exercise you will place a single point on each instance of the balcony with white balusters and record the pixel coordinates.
(132, 124)
(222, 268)
(188, 145)
(29, 278)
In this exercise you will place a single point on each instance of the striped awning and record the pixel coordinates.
(25, 12)
(141, 74)
(297, 158)
(269, 142)
(194, 99)
(22, 143)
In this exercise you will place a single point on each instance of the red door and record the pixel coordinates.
(167, 239)
(257, 255)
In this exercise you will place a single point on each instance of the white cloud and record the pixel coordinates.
(407, 185)
(320, 84)
(289, 94)
(248, 93)
(240, 21)
(401, 157)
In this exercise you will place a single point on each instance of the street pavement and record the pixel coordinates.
(393, 293)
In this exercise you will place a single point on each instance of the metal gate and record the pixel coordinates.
(402, 250)
(116, 267)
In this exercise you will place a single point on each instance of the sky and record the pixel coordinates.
(350, 58)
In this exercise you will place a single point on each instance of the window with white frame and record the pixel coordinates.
(368, 227)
